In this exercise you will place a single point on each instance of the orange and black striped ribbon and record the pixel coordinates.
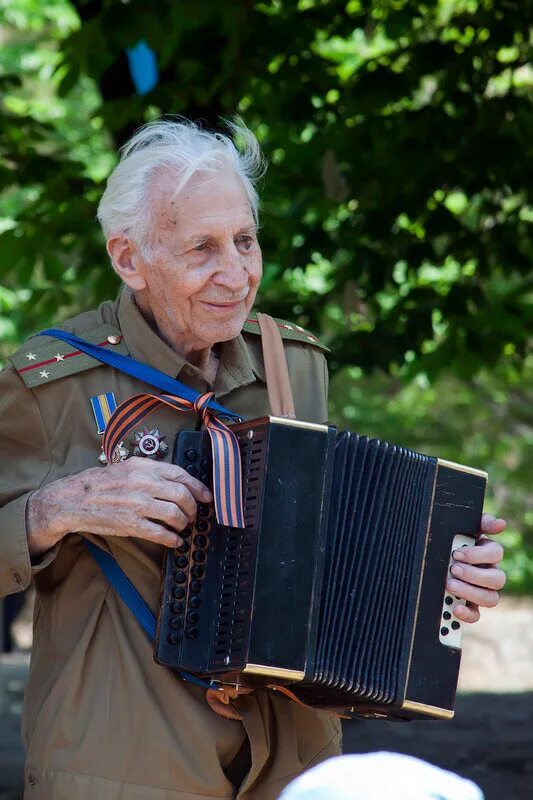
(227, 478)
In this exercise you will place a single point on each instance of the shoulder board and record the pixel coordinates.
(41, 360)
(288, 330)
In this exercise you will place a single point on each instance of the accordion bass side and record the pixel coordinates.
(336, 587)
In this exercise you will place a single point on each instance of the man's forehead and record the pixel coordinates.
(205, 199)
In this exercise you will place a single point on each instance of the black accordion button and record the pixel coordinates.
(180, 576)
(186, 532)
(191, 633)
(197, 571)
(448, 600)
(193, 616)
(182, 562)
(199, 556)
(195, 586)
(191, 454)
(456, 625)
(176, 623)
(447, 615)
(174, 638)
(201, 525)
(191, 469)
(200, 540)
(205, 463)
(204, 477)
(203, 510)
(445, 631)
(178, 593)
(184, 547)
(195, 601)
(177, 608)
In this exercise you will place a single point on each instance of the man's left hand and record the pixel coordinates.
(475, 574)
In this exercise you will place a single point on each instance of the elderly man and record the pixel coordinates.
(101, 719)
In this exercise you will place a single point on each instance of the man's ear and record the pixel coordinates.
(127, 262)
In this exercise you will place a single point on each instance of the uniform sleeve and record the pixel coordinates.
(24, 464)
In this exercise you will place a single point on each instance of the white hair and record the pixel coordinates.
(180, 145)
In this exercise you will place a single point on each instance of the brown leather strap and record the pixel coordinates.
(277, 372)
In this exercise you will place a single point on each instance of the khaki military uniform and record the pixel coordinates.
(101, 719)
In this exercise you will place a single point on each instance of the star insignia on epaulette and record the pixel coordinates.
(59, 357)
(44, 374)
(31, 356)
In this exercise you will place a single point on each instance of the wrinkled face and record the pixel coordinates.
(205, 261)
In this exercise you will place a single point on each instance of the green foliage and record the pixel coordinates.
(397, 210)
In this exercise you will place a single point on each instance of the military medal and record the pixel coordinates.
(103, 406)
(120, 453)
(149, 444)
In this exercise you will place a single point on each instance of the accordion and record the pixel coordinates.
(336, 587)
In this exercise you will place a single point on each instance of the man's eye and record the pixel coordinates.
(201, 246)
(246, 241)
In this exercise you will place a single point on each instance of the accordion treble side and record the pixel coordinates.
(336, 586)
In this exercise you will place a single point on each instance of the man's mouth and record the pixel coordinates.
(231, 305)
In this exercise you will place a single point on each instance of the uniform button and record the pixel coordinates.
(16, 577)
(32, 780)
(113, 339)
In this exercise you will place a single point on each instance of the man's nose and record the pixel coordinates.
(231, 273)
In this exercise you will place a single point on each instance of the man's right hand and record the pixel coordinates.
(137, 497)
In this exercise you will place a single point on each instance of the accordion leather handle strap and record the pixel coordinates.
(277, 373)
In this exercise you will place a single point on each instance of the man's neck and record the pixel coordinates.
(205, 359)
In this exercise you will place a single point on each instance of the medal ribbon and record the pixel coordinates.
(227, 478)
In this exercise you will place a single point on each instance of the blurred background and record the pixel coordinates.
(396, 224)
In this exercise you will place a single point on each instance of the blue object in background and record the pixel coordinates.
(143, 67)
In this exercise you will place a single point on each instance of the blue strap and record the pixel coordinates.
(137, 369)
(133, 600)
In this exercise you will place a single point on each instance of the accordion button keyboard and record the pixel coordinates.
(176, 623)
(174, 638)
(200, 540)
(180, 576)
(184, 547)
(199, 556)
(177, 608)
(191, 469)
(197, 571)
(203, 511)
(191, 633)
(191, 455)
(201, 525)
(178, 593)
(193, 617)
(195, 602)
(450, 632)
(195, 586)
(182, 562)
